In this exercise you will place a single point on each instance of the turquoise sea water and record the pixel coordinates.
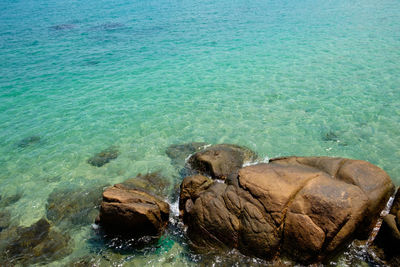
(280, 77)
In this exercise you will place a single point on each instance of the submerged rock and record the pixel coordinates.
(108, 26)
(38, 243)
(78, 206)
(92, 62)
(330, 136)
(6, 201)
(220, 161)
(61, 27)
(153, 183)
(104, 157)
(305, 208)
(28, 141)
(5, 217)
(132, 212)
(333, 137)
(178, 153)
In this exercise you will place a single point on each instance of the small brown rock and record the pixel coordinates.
(132, 212)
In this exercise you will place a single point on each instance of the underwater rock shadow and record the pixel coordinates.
(62, 27)
(104, 156)
(334, 137)
(28, 141)
(38, 243)
(107, 26)
(5, 219)
(6, 201)
(74, 207)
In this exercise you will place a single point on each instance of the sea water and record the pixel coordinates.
(282, 77)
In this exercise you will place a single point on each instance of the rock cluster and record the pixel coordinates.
(301, 208)
(305, 208)
(5, 217)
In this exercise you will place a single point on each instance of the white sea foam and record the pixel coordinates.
(250, 163)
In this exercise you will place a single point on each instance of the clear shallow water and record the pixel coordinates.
(280, 77)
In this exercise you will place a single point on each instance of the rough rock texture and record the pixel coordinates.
(132, 212)
(104, 157)
(388, 237)
(153, 183)
(24, 246)
(179, 152)
(305, 208)
(77, 206)
(220, 161)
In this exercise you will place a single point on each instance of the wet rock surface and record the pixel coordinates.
(132, 212)
(28, 141)
(179, 152)
(103, 157)
(77, 206)
(388, 239)
(221, 161)
(304, 208)
(38, 243)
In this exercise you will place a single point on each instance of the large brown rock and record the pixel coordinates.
(132, 212)
(306, 208)
(220, 161)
